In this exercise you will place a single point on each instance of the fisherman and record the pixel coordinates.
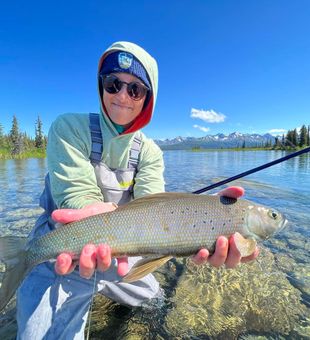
(95, 163)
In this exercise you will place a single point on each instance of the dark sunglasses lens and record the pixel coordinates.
(111, 84)
(136, 91)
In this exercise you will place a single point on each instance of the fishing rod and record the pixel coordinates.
(251, 171)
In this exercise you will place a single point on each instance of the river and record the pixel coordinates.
(269, 298)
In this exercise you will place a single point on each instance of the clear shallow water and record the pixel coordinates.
(21, 183)
(269, 298)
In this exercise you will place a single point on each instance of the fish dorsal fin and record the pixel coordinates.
(245, 246)
(145, 266)
(156, 198)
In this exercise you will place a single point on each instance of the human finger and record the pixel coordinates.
(234, 256)
(220, 253)
(232, 192)
(71, 215)
(87, 262)
(122, 266)
(201, 257)
(64, 264)
(103, 257)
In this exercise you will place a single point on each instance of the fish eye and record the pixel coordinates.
(273, 214)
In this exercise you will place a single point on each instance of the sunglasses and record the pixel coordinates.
(113, 85)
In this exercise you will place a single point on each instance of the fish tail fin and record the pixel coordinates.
(12, 254)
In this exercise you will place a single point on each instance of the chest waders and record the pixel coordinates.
(116, 184)
(51, 306)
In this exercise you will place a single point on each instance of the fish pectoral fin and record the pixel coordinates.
(245, 246)
(145, 266)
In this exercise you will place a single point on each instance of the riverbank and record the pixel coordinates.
(32, 153)
(244, 149)
(39, 153)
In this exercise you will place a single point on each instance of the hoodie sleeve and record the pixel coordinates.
(73, 181)
(149, 178)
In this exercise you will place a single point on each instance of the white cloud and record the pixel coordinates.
(277, 132)
(209, 116)
(202, 128)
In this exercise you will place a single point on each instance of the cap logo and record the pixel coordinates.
(125, 60)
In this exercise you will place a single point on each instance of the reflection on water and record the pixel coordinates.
(267, 299)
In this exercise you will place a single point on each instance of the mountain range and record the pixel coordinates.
(233, 140)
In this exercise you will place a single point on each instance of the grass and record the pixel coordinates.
(5, 153)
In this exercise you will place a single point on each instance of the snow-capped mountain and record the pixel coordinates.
(235, 139)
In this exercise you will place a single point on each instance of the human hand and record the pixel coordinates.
(226, 251)
(91, 257)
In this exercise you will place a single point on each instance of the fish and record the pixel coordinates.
(156, 227)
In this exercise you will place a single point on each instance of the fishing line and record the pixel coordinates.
(251, 171)
(91, 305)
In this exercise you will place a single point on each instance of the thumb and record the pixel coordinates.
(232, 192)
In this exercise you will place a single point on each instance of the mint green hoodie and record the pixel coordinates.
(73, 181)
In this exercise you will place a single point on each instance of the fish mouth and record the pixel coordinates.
(284, 224)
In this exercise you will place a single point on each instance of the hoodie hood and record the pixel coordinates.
(150, 65)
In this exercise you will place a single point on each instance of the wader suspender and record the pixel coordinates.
(96, 146)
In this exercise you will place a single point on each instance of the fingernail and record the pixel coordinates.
(88, 250)
(103, 251)
(223, 242)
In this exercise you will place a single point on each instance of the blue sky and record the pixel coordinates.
(224, 66)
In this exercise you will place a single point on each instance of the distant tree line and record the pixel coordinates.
(17, 144)
(292, 140)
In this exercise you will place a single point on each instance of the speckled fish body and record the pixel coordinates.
(161, 225)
